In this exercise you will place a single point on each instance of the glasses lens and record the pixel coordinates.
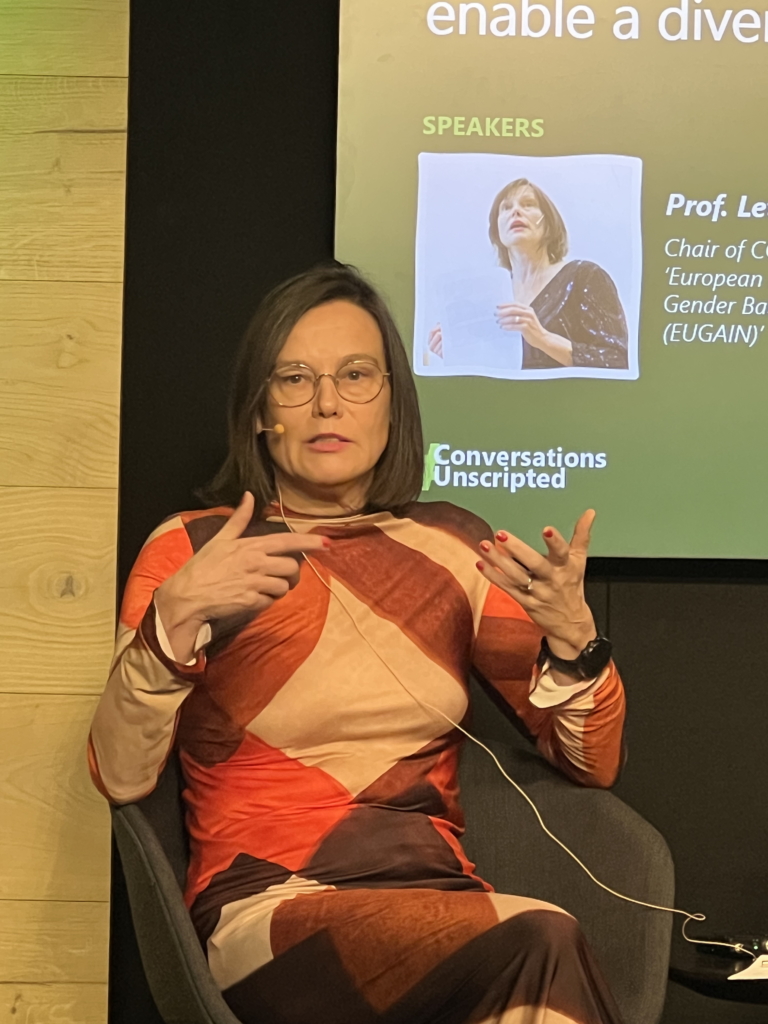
(359, 382)
(292, 385)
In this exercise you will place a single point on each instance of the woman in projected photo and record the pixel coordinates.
(568, 313)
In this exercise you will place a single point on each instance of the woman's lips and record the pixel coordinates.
(328, 443)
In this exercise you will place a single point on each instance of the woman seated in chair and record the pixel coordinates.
(306, 645)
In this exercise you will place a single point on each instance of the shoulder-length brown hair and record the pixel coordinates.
(397, 476)
(555, 233)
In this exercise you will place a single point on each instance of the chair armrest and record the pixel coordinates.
(620, 848)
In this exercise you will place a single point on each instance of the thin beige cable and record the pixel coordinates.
(737, 947)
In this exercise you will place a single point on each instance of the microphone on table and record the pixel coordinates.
(277, 429)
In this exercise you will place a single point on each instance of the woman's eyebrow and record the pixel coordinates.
(354, 358)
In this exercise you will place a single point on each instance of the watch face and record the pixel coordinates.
(595, 657)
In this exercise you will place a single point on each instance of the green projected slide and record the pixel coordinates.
(567, 208)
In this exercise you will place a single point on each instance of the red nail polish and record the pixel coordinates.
(501, 536)
(485, 546)
(480, 565)
(548, 532)
(327, 542)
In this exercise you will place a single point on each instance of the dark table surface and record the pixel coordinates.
(708, 973)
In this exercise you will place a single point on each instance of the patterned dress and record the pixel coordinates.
(327, 881)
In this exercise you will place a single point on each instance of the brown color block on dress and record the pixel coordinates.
(443, 515)
(269, 649)
(386, 944)
(406, 587)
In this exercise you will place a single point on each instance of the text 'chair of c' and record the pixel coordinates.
(624, 851)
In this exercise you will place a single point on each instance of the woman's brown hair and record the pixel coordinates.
(555, 233)
(397, 476)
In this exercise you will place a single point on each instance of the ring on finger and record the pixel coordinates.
(528, 587)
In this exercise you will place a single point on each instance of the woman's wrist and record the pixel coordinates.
(569, 645)
(177, 612)
(557, 347)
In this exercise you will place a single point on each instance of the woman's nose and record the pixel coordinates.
(327, 402)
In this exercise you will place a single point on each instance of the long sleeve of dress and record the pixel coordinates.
(135, 721)
(578, 727)
(598, 327)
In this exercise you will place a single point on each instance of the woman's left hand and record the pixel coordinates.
(517, 317)
(549, 587)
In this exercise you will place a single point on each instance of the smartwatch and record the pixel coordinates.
(589, 664)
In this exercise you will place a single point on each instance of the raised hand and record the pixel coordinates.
(549, 587)
(230, 575)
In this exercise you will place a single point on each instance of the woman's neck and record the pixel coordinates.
(529, 266)
(325, 502)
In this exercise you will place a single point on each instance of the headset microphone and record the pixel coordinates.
(277, 429)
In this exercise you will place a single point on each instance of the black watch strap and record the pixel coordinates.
(589, 664)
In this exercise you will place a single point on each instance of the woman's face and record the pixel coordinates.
(521, 221)
(330, 442)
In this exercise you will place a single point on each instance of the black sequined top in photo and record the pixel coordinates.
(581, 304)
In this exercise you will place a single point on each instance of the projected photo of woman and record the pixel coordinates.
(568, 311)
(528, 267)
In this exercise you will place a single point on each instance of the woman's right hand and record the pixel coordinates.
(435, 340)
(230, 575)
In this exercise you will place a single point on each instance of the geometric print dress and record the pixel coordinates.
(327, 881)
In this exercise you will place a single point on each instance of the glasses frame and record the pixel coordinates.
(334, 378)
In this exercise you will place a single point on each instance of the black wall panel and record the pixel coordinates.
(231, 189)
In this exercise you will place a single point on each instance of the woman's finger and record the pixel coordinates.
(515, 588)
(528, 557)
(518, 575)
(557, 546)
(289, 543)
(582, 532)
(273, 586)
(239, 519)
(277, 566)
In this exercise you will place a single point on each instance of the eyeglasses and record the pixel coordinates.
(357, 381)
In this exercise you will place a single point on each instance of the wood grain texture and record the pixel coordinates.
(46, 940)
(35, 104)
(59, 384)
(64, 37)
(54, 841)
(53, 1004)
(57, 589)
(62, 179)
(57, 441)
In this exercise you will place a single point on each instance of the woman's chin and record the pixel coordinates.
(332, 475)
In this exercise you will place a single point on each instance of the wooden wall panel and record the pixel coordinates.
(59, 383)
(62, 206)
(57, 588)
(53, 1004)
(36, 103)
(44, 940)
(54, 840)
(63, 97)
(64, 37)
